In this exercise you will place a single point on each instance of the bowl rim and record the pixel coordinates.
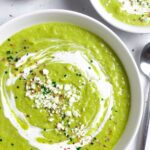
(109, 32)
(117, 23)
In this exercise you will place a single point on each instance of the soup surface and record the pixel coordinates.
(134, 12)
(61, 87)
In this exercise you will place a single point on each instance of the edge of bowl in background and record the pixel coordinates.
(94, 26)
(115, 22)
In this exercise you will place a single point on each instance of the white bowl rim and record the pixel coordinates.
(115, 22)
(124, 141)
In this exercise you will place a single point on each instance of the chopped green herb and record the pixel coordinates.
(16, 59)
(63, 116)
(8, 52)
(78, 74)
(78, 148)
(27, 116)
(1, 140)
(12, 144)
(65, 75)
(91, 143)
(9, 58)
(45, 90)
(54, 84)
(94, 138)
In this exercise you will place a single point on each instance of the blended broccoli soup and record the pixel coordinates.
(133, 12)
(61, 88)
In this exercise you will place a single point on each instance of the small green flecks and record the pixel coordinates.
(8, 39)
(27, 116)
(78, 148)
(104, 145)
(9, 58)
(78, 74)
(17, 87)
(63, 116)
(94, 138)
(45, 90)
(1, 140)
(16, 59)
(91, 143)
(10, 44)
(54, 83)
(91, 61)
(12, 144)
(65, 75)
(6, 72)
(8, 52)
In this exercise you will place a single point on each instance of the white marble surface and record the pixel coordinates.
(10, 9)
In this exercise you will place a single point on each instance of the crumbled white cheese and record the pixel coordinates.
(68, 113)
(33, 86)
(60, 126)
(45, 71)
(135, 6)
(36, 79)
(72, 100)
(67, 87)
(51, 119)
(76, 113)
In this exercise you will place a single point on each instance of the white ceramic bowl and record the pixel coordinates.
(110, 37)
(116, 23)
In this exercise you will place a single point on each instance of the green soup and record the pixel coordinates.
(61, 87)
(133, 12)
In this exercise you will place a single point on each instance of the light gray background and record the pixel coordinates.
(10, 9)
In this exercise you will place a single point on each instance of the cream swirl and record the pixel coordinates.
(56, 53)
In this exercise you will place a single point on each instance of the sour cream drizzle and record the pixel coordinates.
(76, 58)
